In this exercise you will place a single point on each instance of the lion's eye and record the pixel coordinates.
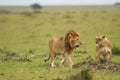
(72, 41)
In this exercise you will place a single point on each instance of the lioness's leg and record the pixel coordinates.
(63, 61)
(109, 56)
(97, 56)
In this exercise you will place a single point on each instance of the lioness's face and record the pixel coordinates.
(99, 40)
(75, 41)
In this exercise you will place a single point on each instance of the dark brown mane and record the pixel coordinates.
(67, 37)
(67, 43)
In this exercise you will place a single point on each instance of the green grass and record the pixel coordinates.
(84, 74)
(20, 33)
(116, 50)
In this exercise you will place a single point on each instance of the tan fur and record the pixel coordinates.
(103, 48)
(64, 46)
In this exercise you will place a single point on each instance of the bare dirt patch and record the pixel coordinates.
(111, 66)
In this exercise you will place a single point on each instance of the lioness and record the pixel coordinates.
(64, 46)
(103, 48)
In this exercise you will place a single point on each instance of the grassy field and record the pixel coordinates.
(61, 9)
(27, 35)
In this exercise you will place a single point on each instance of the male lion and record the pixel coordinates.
(64, 46)
(103, 48)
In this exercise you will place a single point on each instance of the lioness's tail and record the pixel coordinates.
(47, 59)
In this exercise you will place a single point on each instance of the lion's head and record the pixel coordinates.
(73, 39)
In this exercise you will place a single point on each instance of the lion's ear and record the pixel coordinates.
(70, 35)
(103, 37)
(70, 32)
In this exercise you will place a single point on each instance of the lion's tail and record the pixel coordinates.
(47, 59)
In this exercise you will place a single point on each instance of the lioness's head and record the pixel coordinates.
(100, 40)
(73, 38)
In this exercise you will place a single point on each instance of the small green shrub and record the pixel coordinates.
(85, 74)
(11, 54)
(67, 16)
(27, 14)
(8, 53)
(24, 56)
(116, 50)
(57, 79)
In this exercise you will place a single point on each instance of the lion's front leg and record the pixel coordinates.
(68, 57)
(62, 61)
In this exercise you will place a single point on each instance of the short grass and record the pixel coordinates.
(31, 31)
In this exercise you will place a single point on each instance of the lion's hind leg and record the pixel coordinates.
(52, 56)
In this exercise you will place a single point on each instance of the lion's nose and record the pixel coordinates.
(96, 42)
(77, 45)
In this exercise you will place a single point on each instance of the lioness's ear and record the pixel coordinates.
(96, 37)
(103, 37)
